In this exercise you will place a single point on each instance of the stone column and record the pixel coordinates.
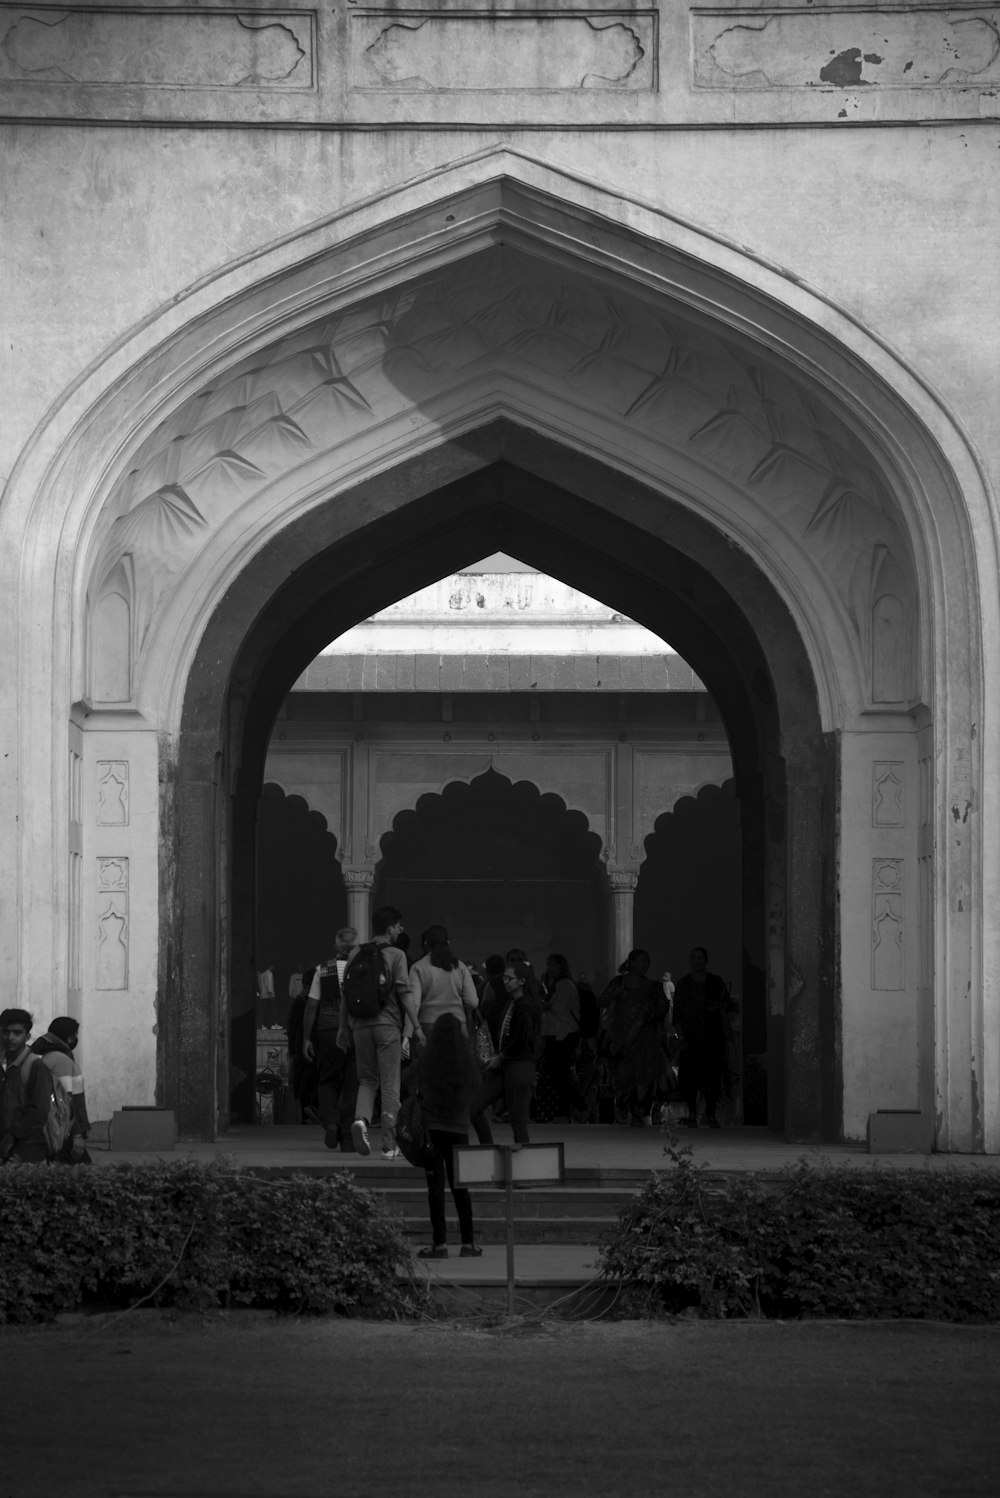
(622, 884)
(358, 884)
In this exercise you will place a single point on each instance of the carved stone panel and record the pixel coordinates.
(112, 793)
(112, 924)
(214, 48)
(888, 965)
(870, 48)
(888, 809)
(504, 51)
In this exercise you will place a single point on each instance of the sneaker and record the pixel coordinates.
(433, 1251)
(470, 1251)
(390, 1151)
(359, 1137)
(332, 1137)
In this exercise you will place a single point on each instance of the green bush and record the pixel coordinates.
(811, 1241)
(196, 1236)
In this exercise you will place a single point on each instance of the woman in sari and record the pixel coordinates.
(633, 1036)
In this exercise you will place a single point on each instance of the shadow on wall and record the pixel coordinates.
(301, 900)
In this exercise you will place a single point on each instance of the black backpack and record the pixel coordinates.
(411, 1132)
(365, 987)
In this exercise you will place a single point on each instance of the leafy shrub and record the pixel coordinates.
(811, 1241)
(196, 1236)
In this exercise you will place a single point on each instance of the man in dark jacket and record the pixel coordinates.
(25, 1092)
(337, 1072)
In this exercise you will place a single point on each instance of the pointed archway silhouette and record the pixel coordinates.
(499, 865)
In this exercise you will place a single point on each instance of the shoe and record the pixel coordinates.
(688, 1123)
(331, 1138)
(359, 1137)
(470, 1251)
(433, 1251)
(390, 1152)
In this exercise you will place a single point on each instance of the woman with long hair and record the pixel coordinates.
(445, 1076)
(634, 1012)
(513, 1071)
(441, 984)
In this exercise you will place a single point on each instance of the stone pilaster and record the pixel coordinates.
(358, 884)
(622, 885)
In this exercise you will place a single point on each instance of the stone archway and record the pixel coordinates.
(500, 865)
(725, 487)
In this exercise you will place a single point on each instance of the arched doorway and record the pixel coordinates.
(500, 866)
(774, 492)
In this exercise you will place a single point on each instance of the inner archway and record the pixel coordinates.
(705, 596)
(500, 866)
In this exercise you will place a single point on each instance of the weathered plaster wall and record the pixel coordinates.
(898, 226)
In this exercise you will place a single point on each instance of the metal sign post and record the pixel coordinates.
(509, 1165)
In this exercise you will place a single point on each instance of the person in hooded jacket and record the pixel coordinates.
(56, 1048)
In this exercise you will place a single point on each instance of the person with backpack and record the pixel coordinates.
(375, 999)
(56, 1048)
(445, 1078)
(25, 1092)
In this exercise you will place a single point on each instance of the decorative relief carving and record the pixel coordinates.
(623, 881)
(887, 794)
(506, 312)
(161, 49)
(888, 968)
(112, 924)
(112, 793)
(505, 51)
(358, 881)
(871, 48)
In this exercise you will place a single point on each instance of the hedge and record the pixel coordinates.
(811, 1241)
(195, 1236)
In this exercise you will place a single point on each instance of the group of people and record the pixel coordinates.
(474, 1045)
(30, 1073)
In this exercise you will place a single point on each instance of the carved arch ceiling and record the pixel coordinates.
(508, 322)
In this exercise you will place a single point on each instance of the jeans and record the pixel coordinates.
(443, 1164)
(377, 1051)
(513, 1081)
(337, 1085)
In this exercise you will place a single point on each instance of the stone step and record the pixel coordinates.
(568, 1202)
(581, 1231)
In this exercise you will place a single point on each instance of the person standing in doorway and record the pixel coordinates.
(25, 1092)
(702, 1007)
(513, 1071)
(377, 1040)
(336, 1068)
(561, 1029)
(440, 983)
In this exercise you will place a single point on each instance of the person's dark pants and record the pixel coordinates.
(443, 1165)
(561, 1055)
(513, 1081)
(336, 1086)
(700, 1070)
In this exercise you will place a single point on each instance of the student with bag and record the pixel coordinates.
(56, 1048)
(445, 1078)
(25, 1093)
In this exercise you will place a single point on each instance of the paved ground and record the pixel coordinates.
(148, 1407)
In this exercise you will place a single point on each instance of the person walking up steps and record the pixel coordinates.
(375, 996)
